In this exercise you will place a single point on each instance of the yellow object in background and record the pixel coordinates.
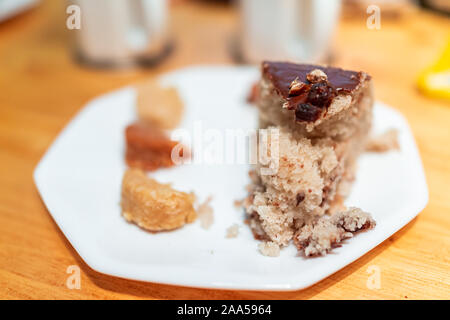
(435, 81)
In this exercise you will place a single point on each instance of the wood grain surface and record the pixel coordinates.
(42, 88)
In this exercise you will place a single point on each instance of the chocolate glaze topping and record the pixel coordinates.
(310, 100)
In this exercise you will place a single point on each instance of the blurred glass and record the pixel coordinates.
(11, 8)
(122, 32)
(295, 30)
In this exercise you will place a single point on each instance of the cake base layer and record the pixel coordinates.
(325, 233)
(304, 178)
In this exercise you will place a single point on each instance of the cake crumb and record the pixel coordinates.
(232, 231)
(316, 75)
(384, 142)
(322, 117)
(325, 233)
(238, 203)
(269, 249)
(149, 148)
(353, 219)
(205, 214)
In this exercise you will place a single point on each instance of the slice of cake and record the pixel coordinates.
(319, 119)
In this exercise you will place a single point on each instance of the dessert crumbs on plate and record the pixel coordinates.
(383, 142)
(269, 249)
(206, 213)
(232, 231)
(327, 232)
(238, 203)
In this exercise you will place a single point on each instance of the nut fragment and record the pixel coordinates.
(316, 75)
(296, 87)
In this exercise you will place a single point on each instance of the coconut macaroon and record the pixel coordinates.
(319, 119)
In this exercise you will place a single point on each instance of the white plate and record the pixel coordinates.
(79, 180)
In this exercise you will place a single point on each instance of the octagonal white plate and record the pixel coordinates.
(79, 180)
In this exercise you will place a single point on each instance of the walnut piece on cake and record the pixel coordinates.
(149, 148)
(154, 206)
(159, 106)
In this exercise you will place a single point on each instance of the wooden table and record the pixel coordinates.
(41, 89)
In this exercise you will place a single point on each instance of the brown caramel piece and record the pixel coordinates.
(269, 249)
(154, 206)
(161, 107)
(148, 148)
